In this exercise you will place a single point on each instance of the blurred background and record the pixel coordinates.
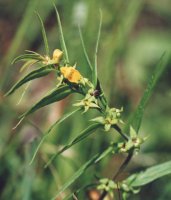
(134, 36)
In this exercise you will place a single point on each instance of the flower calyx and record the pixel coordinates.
(88, 102)
(133, 144)
(107, 185)
(127, 189)
(112, 117)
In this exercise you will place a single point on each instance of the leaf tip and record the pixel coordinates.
(18, 123)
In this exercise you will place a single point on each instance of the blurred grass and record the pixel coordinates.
(134, 36)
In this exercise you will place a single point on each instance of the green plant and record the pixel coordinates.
(71, 81)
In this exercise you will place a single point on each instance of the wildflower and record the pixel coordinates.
(127, 188)
(57, 55)
(133, 143)
(88, 102)
(107, 185)
(113, 116)
(71, 74)
(86, 81)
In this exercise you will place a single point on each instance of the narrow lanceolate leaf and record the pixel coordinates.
(59, 121)
(81, 170)
(44, 35)
(73, 178)
(84, 134)
(56, 95)
(43, 71)
(84, 49)
(63, 118)
(136, 118)
(28, 63)
(105, 153)
(26, 57)
(149, 174)
(62, 35)
(96, 51)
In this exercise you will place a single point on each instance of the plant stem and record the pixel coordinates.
(120, 170)
(118, 129)
(124, 165)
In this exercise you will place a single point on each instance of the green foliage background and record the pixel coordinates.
(134, 36)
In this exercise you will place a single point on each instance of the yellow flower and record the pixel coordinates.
(71, 74)
(57, 55)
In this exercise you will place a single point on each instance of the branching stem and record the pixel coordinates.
(118, 129)
(120, 170)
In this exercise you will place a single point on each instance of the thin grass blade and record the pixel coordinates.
(63, 44)
(96, 51)
(44, 35)
(84, 49)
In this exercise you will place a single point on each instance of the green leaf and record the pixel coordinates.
(56, 95)
(84, 49)
(26, 57)
(28, 64)
(81, 170)
(149, 175)
(84, 134)
(43, 71)
(96, 51)
(62, 35)
(136, 118)
(44, 35)
(63, 118)
(59, 121)
(110, 149)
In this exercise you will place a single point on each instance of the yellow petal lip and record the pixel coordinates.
(71, 74)
(57, 54)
